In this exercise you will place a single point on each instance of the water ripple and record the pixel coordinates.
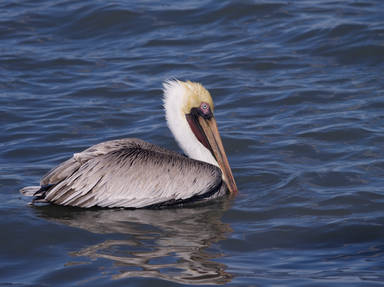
(298, 99)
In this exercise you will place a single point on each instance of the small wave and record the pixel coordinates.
(339, 134)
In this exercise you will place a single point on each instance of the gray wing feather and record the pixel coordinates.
(68, 167)
(129, 173)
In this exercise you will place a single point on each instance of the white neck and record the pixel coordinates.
(174, 96)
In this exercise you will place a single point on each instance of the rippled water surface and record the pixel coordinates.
(299, 94)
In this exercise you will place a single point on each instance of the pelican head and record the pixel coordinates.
(189, 113)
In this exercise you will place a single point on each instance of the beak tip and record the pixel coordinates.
(212, 133)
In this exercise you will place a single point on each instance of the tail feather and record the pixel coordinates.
(30, 190)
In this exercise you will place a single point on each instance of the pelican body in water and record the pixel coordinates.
(131, 173)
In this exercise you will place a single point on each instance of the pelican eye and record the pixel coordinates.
(205, 110)
(204, 107)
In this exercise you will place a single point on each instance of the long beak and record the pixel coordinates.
(211, 131)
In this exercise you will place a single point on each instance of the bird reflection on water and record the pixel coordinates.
(171, 244)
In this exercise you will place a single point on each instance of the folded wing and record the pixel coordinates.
(129, 173)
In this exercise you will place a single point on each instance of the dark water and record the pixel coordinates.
(299, 93)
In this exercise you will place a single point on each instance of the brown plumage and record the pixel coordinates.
(134, 174)
(129, 173)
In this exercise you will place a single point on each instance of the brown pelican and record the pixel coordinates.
(132, 173)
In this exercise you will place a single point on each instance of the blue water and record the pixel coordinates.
(298, 89)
